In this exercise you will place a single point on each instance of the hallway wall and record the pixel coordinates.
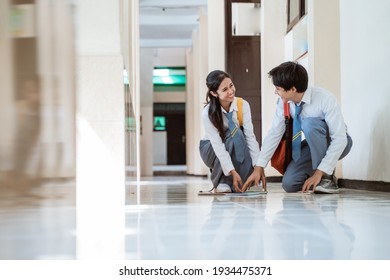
(333, 53)
(170, 57)
(365, 87)
(129, 34)
(341, 60)
(324, 50)
(37, 93)
(146, 94)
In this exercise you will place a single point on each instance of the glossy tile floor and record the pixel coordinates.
(38, 222)
(166, 219)
(170, 221)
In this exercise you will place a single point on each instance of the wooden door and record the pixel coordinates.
(174, 114)
(176, 132)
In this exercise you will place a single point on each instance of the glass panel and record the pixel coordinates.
(294, 10)
(245, 19)
(306, 5)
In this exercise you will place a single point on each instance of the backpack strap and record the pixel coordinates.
(286, 110)
(239, 114)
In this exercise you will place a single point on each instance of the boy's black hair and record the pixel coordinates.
(290, 74)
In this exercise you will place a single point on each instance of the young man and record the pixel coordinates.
(321, 121)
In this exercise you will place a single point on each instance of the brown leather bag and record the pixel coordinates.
(283, 154)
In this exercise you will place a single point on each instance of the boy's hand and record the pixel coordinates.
(254, 179)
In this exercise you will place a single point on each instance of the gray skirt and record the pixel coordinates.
(208, 156)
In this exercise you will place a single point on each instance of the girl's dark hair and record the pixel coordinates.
(213, 81)
(290, 74)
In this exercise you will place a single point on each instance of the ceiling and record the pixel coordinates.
(169, 23)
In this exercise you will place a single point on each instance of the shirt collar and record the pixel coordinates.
(233, 106)
(307, 96)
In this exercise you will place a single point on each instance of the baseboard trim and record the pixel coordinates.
(275, 179)
(349, 184)
(169, 173)
(364, 185)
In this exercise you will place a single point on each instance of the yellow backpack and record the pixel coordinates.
(239, 113)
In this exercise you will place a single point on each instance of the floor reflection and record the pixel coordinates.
(38, 223)
(165, 218)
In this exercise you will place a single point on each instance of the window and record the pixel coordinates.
(296, 9)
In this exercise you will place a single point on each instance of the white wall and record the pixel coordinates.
(324, 45)
(170, 57)
(216, 35)
(169, 97)
(91, 27)
(129, 30)
(324, 49)
(273, 26)
(146, 97)
(160, 156)
(365, 87)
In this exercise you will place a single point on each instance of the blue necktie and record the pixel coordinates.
(238, 145)
(297, 132)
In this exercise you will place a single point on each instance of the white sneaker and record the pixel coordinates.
(223, 188)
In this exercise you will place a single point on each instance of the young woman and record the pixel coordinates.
(229, 151)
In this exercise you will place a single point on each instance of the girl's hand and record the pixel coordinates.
(237, 182)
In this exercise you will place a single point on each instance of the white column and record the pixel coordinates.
(324, 44)
(190, 143)
(7, 110)
(146, 91)
(56, 67)
(199, 63)
(273, 30)
(216, 35)
(100, 132)
(324, 48)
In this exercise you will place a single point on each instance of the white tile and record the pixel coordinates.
(168, 220)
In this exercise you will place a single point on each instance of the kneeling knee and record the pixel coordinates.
(289, 186)
(313, 125)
